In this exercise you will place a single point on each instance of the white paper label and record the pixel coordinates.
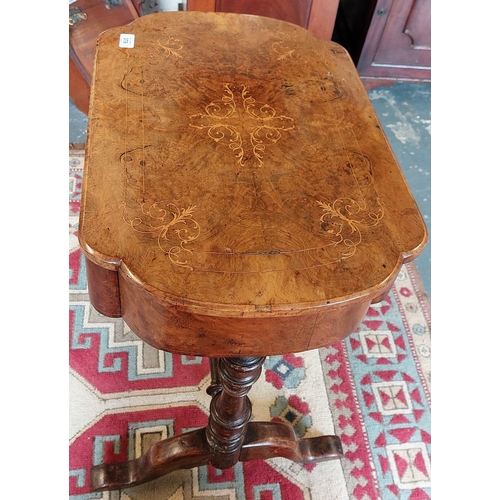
(126, 41)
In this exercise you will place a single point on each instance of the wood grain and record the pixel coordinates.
(239, 185)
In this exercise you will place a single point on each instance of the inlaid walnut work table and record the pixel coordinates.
(240, 200)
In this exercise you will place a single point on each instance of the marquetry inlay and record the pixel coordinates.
(250, 168)
(242, 123)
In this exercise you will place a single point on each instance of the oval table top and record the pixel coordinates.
(240, 196)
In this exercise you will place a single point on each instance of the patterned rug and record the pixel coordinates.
(372, 390)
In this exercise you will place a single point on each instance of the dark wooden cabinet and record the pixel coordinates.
(398, 43)
(318, 16)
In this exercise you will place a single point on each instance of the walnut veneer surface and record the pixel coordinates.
(240, 197)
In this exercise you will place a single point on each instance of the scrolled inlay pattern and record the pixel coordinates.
(237, 118)
(344, 220)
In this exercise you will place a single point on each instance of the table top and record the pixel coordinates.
(236, 169)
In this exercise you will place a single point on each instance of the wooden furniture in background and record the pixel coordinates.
(318, 16)
(351, 25)
(389, 40)
(240, 199)
(398, 43)
(91, 19)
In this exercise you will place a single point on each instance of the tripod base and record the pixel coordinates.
(263, 440)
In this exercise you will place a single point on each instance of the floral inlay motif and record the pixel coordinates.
(239, 121)
(173, 227)
(284, 48)
(167, 45)
(345, 218)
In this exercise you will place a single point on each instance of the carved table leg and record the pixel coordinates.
(215, 385)
(228, 438)
(230, 410)
(276, 439)
(179, 452)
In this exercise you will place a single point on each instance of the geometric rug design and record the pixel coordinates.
(372, 390)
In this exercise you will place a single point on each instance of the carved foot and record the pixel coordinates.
(228, 438)
(179, 452)
(262, 440)
(275, 439)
